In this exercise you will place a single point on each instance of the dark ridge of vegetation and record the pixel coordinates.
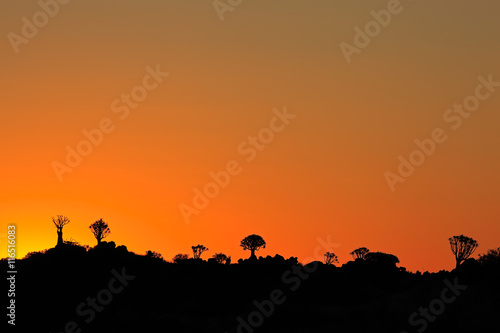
(106, 288)
(194, 295)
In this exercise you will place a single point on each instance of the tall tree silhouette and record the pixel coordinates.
(462, 247)
(60, 221)
(253, 243)
(198, 250)
(100, 229)
(359, 253)
(330, 258)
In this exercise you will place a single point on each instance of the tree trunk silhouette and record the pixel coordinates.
(458, 262)
(59, 237)
(252, 255)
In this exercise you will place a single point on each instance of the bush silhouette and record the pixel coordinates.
(220, 258)
(178, 258)
(154, 255)
(490, 258)
(381, 258)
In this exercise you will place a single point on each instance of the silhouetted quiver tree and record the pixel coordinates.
(198, 250)
(462, 247)
(359, 253)
(253, 243)
(100, 229)
(330, 258)
(60, 221)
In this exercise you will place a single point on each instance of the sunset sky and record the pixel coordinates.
(321, 176)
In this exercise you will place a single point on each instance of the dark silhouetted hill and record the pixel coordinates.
(109, 289)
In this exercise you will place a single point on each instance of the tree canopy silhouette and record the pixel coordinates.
(198, 250)
(330, 258)
(253, 243)
(100, 229)
(359, 253)
(60, 221)
(462, 247)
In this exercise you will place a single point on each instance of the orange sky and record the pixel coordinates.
(321, 176)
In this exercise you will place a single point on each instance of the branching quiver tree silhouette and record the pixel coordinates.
(221, 258)
(100, 229)
(198, 250)
(462, 247)
(330, 258)
(60, 221)
(359, 253)
(253, 243)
